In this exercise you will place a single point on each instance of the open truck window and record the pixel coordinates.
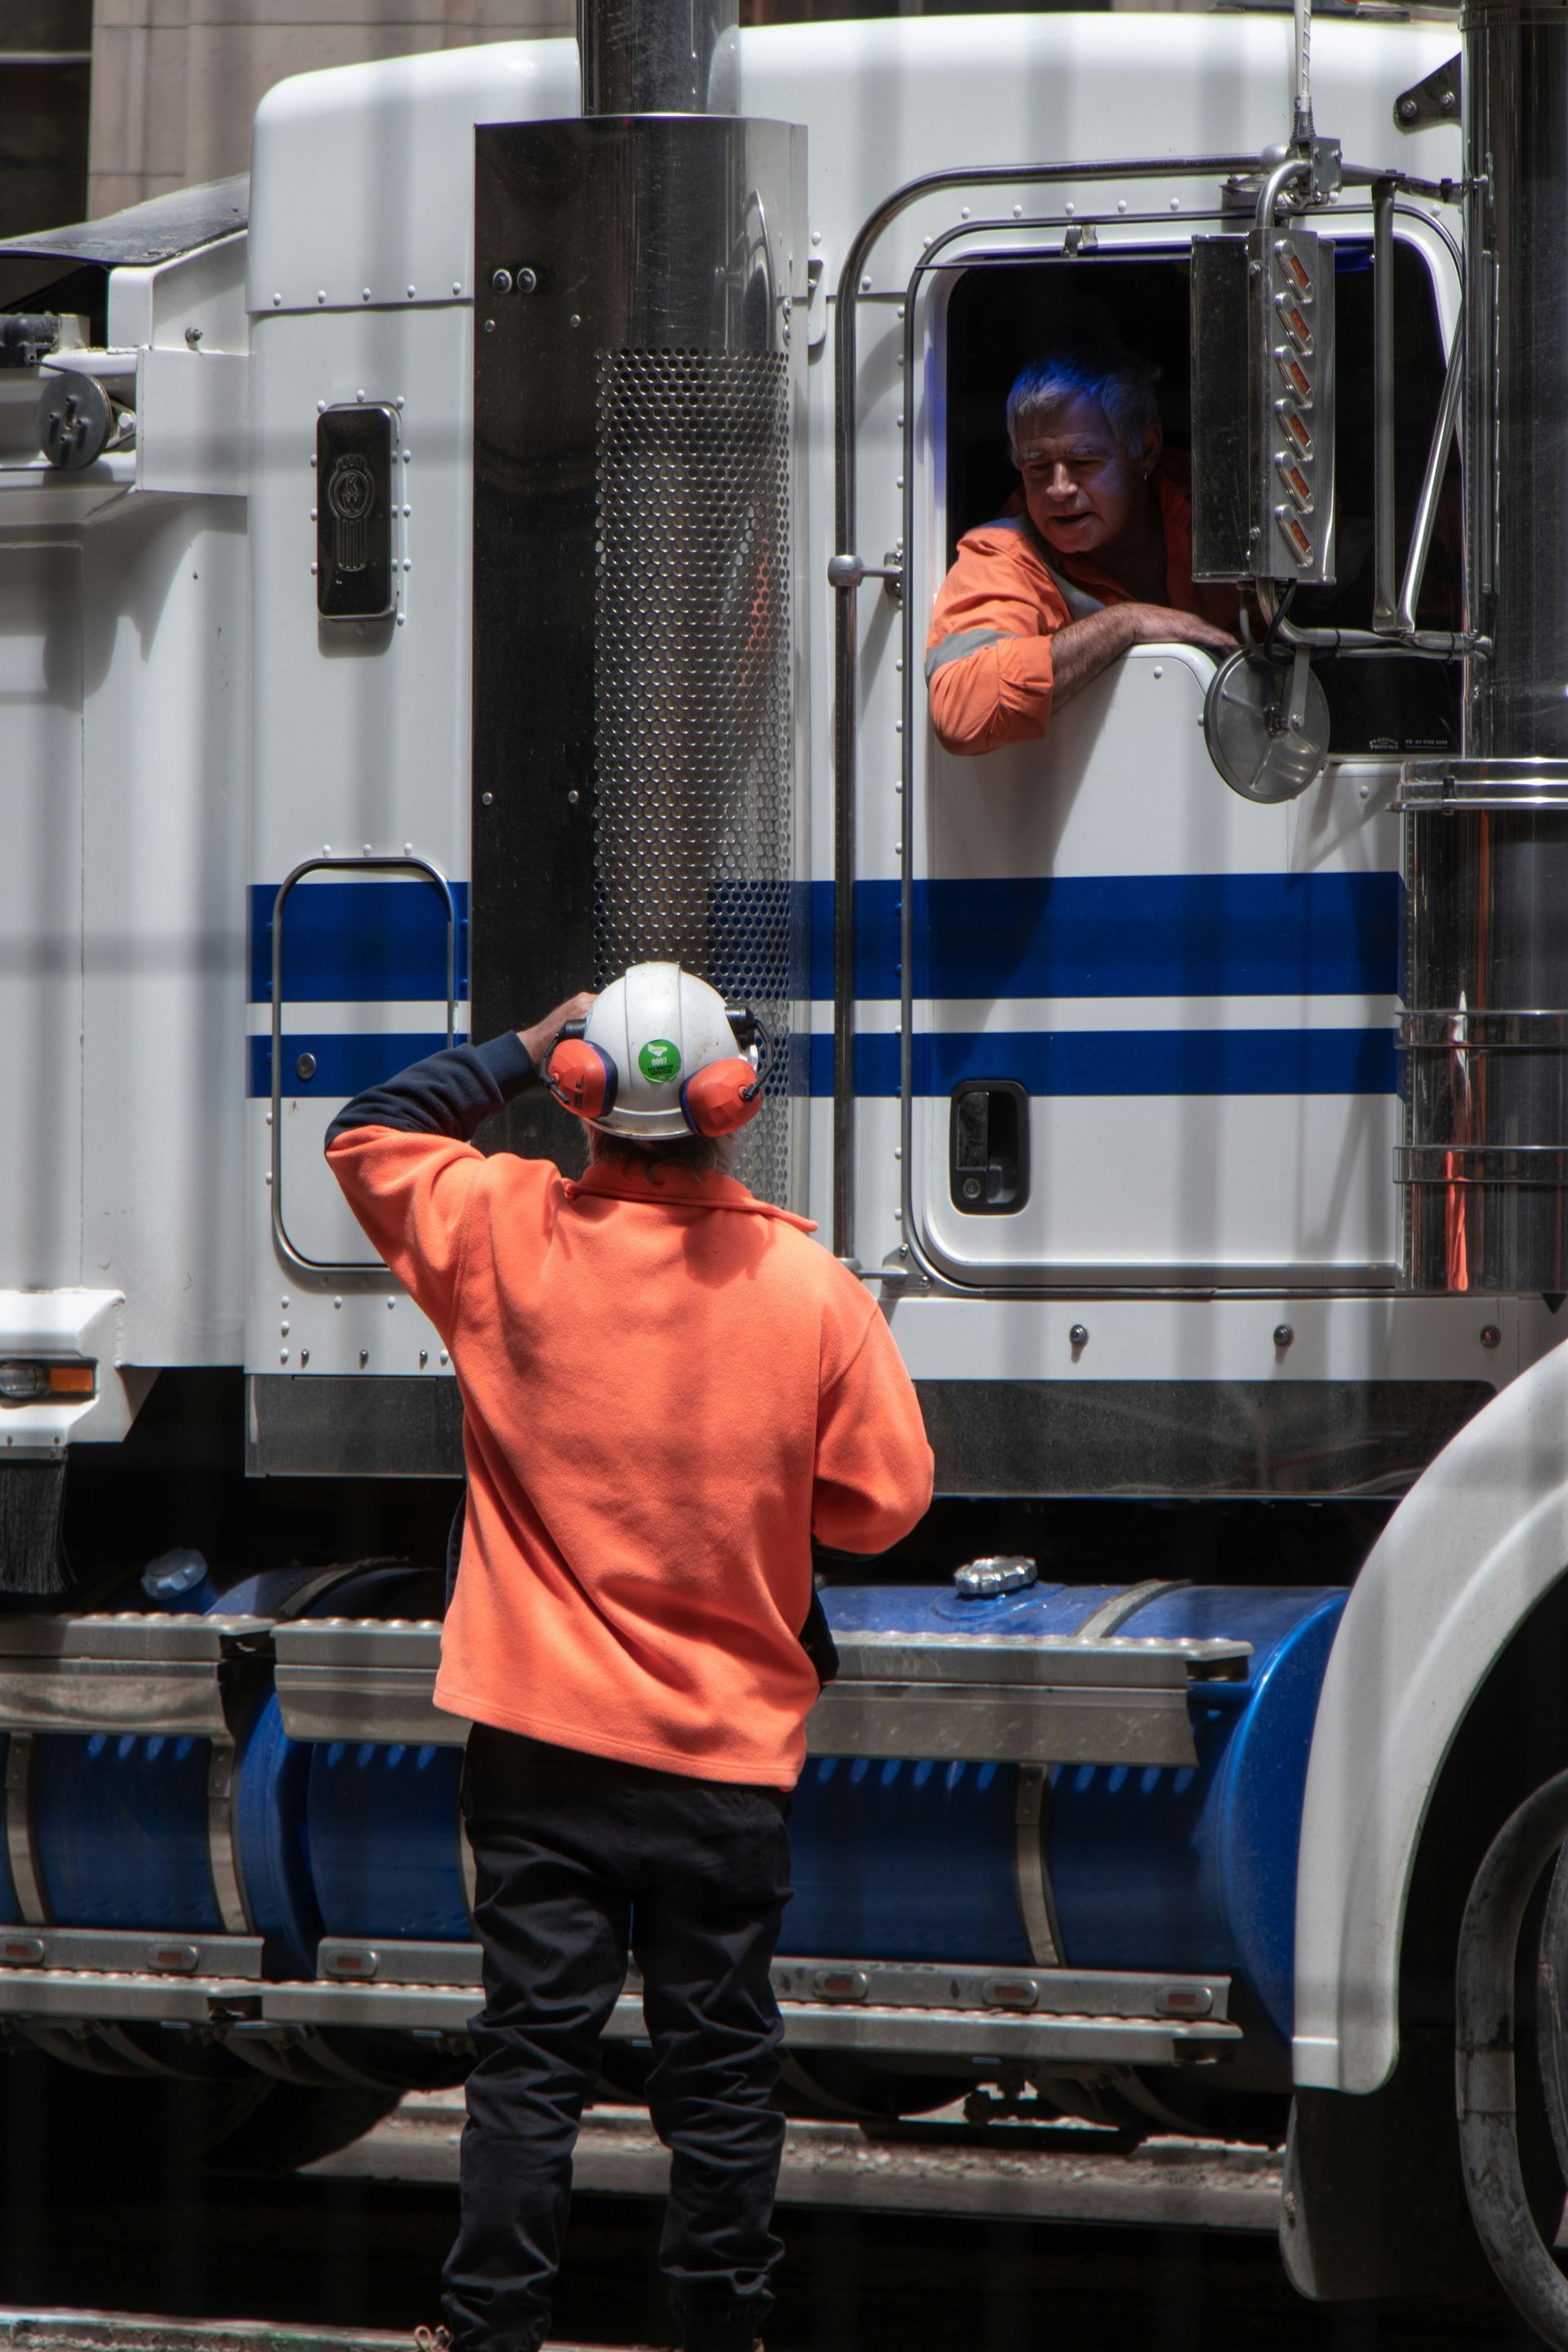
(1003, 315)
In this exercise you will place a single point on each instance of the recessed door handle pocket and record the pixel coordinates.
(988, 1147)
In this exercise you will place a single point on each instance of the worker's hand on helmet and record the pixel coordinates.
(542, 1034)
(1166, 625)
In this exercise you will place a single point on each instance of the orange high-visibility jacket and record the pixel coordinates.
(988, 655)
(667, 1390)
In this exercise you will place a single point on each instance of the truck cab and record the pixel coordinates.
(403, 558)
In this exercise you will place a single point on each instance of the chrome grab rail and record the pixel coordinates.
(291, 1255)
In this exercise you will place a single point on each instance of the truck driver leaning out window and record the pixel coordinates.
(668, 1391)
(1095, 557)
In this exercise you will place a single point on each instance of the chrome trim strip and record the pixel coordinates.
(1113, 1613)
(466, 1862)
(223, 1842)
(1055, 1661)
(1008, 1725)
(123, 1952)
(980, 1697)
(934, 2034)
(19, 1854)
(887, 1984)
(1031, 1875)
(140, 1674)
(389, 1705)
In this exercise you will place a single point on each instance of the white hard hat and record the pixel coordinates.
(653, 1030)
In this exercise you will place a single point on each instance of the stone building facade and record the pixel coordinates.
(175, 82)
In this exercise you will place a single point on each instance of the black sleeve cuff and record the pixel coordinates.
(508, 1064)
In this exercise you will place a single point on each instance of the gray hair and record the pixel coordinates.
(1118, 379)
(700, 1155)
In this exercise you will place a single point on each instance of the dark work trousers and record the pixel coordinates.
(578, 1861)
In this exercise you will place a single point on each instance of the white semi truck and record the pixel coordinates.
(498, 541)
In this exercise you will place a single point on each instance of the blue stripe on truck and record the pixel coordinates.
(1125, 935)
(374, 942)
(1047, 1061)
(1124, 1061)
(346, 1063)
(379, 941)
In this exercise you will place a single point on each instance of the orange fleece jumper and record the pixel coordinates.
(988, 655)
(668, 1389)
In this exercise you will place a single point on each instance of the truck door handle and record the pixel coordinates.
(988, 1147)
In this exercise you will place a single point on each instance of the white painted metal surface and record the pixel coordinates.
(122, 794)
(361, 746)
(1175, 1186)
(361, 178)
(41, 918)
(166, 750)
(192, 435)
(1465, 1558)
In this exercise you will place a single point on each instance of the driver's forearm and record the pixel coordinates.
(1081, 650)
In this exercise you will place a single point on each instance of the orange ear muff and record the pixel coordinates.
(581, 1077)
(723, 1097)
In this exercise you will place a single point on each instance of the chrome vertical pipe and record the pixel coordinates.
(1485, 1160)
(658, 57)
(637, 393)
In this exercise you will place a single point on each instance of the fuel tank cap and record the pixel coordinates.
(989, 1578)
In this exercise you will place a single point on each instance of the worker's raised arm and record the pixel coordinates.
(1003, 654)
(874, 1462)
(402, 1152)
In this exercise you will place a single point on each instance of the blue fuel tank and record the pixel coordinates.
(346, 1839)
(121, 1825)
(1155, 1868)
(120, 1822)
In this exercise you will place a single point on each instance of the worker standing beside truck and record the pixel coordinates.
(1095, 557)
(668, 1390)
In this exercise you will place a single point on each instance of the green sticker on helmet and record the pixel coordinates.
(659, 1061)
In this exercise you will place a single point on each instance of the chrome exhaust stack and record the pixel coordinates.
(1485, 1162)
(658, 57)
(636, 382)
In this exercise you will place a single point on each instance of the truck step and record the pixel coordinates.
(124, 2331)
(1064, 2172)
(1068, 2038)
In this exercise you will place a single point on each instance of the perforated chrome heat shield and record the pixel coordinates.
(694, 765)
(635, 737)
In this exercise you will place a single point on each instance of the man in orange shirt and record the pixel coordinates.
(668, 1391)
(1094, 559)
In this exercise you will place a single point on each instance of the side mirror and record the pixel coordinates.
(1266, 722)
